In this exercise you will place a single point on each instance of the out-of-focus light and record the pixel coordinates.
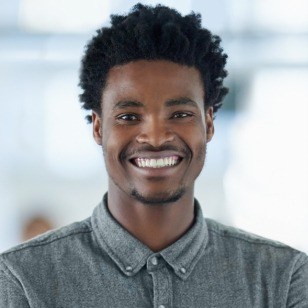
(282, 16)
(65, 16)
(278, 16)
(70, 150)
(266, 184)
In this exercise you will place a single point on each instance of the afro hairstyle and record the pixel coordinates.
(153, 33)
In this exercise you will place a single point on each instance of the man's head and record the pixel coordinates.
(153, 33)
(153, 80)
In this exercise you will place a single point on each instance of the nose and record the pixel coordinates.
(155, 133)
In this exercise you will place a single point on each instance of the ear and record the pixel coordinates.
(209, 122)
(97, 128)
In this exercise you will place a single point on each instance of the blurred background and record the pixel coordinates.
(52, 172)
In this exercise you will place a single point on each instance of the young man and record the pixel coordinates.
(153, 81)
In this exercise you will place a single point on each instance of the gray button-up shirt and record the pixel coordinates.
(97, 263)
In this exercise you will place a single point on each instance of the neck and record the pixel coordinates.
(156, 226)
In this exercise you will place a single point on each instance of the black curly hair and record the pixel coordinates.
(153, 33)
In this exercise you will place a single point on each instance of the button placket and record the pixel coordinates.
(162, 287)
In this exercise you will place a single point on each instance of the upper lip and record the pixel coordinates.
(155, 155)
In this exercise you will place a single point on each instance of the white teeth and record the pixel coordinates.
(157, 163)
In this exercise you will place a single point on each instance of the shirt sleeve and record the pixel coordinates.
(298, 292)
(11, 292)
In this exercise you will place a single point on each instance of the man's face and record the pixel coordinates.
(153, 129)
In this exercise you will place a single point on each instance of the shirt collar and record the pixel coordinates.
(131, 255)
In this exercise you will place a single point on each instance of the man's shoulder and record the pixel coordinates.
(228, 232)
(250, 245)
(48, 242)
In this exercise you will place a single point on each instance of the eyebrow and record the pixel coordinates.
(125, 104)
(169, 103)
(180, 101)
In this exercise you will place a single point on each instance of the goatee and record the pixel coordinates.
(159, 199)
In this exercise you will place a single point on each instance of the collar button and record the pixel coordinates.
(182, 270)
(128, 268)
(154, 261)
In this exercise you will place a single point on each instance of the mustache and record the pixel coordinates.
(148, 148)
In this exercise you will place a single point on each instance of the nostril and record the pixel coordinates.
(156, 138)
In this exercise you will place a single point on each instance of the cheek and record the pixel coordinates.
(110, 150)
(201, 151)
(115, 143)
(109, 146)
(197, 142)
(110, 137)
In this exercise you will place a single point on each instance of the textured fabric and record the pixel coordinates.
(97, 263)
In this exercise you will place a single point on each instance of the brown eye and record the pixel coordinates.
(128, 117)
(181, 115)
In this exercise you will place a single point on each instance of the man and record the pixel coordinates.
(153, 81)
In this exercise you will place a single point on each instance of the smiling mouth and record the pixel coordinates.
(162, 162)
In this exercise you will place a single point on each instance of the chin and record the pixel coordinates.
(163, 198)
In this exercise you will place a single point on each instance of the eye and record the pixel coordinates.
(128, 117)
(181, 115)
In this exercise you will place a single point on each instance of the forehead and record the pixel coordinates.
(149, 81)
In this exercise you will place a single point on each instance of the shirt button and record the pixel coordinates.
(154, 261)
(183, 270)
(129, 268)
(161, 306)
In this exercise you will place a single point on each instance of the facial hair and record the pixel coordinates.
(165, 197)
(159, 199)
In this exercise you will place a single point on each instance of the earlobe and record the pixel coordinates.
(209, 121)
(97, 128)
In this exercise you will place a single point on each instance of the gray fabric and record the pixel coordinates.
(96, 263)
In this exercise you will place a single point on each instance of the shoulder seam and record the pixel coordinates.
(8, 273)
(257, 241)
(305, 261)
(294, 271)
(47, 241)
